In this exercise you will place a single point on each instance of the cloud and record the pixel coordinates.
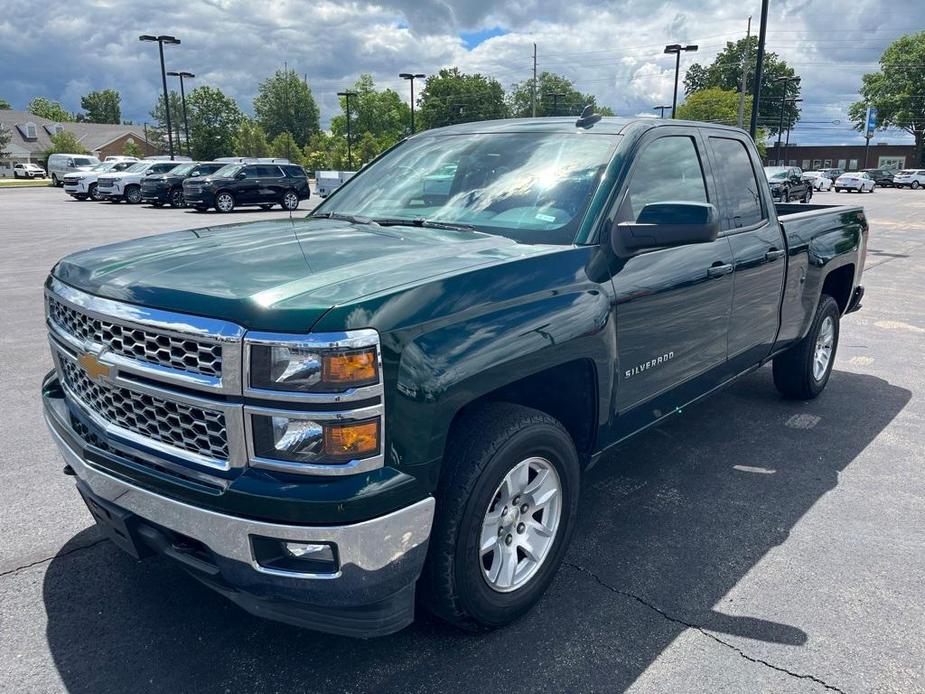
(611, 48)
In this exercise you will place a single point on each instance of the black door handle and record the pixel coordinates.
(718, 270)
(774, 254)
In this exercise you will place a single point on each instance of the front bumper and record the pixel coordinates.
(369, 591)
(199, 196)
(154, 194)
(75, 187)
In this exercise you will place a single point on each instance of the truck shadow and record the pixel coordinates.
(670, 522)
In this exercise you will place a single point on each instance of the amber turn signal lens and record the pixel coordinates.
(353, 368)
(351, 440)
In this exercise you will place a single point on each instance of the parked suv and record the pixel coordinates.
(28, 170)
(881, 177)
(238, 185)
(912, 178)
(167, 188)
(83, 184)
(787, 183)
(126, 185)
(61, 164)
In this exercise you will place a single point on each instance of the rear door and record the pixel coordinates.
(672, 303)
(270, 183)
(758, 249)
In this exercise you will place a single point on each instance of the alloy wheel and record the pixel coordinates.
(823, 352)
(290, 200)
(224, 202)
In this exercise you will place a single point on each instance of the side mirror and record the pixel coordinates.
(664, 224)
(240, 176)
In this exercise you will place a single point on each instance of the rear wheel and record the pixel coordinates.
(224, 202)
(507, 504)
(133, 194)
(290, 200)
(915, 185)
(808, 195)
(802, 372)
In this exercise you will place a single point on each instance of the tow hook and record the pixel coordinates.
(68, 470)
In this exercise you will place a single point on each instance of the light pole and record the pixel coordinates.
(759, 70)
(677, 49)
(411, 76)
(347, 96)
(783, 105)
(161, 40)
(181, 75)
(661, 110)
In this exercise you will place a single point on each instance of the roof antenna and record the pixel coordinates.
(588, 117)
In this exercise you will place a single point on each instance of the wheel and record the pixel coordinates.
(507, 502)
(133, 194)
(176, 198)
(224, 202)
(803, 370)
(265, 207)
(93, 194)
(807, 196)
(915, 185)
(290, 200)
(54, 181)
(785, 197)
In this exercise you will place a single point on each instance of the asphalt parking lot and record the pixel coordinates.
(750, 544)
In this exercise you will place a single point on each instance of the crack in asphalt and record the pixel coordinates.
(700, 629)
(10, 572)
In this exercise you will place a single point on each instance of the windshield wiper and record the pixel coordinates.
(352, 218)
(429, 223)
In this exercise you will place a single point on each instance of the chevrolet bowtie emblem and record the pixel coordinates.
(94, 368)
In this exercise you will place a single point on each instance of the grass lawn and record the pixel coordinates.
(24, 182)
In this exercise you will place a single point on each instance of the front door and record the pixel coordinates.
(672, 304)
(758, 250)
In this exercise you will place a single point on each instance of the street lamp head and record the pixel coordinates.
(691, 47)
(346, 93)
(185, 75)
(405, 75)
(673, 48)
(147, 37)
(420, 75)
(168, 39)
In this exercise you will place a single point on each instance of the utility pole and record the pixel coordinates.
(533, 100)
(410, 76)
(347, 94)
(677, 49)
(161, 40)
(748, 43)
(783, 105)
(555, 102)
(759, 69)
(181, 75)
(662, 110)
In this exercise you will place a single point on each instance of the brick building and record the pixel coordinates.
(31, 136)
(847, 157)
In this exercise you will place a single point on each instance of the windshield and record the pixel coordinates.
(530, 187)
(139, 167)
(105, 166)
(86, 161)
(183, 169)
(777, 175)
(227, 171)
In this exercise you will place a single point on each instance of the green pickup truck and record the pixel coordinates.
(392, 401)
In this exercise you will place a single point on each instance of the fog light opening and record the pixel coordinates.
(273, 555)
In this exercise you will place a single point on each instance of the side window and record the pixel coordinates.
(667, 169)
(265, 171)
(737, 181)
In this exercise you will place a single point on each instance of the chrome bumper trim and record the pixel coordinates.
(370, 546)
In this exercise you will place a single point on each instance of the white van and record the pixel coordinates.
(61, 164)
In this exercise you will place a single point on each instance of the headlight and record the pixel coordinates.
(302, 440)
(304, 367)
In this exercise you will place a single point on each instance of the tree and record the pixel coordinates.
(5, 137)
(52, 110)
(157, 131)
(214, 119)
(715, 105)
(250, 140)
(284, 146)
(452, 96)
(131, 149)
(897, 91)
(725, 72)
(383, 114)
(5, 105)
(284, 103)
(65, 142)
(555, 96)
(102, 106)
(367, 149)
(317, 153)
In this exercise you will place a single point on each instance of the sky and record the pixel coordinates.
(612, 49)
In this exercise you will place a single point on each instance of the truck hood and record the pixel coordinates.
(280, 274)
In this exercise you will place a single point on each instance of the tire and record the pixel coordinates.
(133, 194)
(224, 201)
(807, 196)
(484, 447)
(91, 191)
(785, 197)
(798, 372)
(290, 200)
(55, 182)
(175, 197)
(914, 185)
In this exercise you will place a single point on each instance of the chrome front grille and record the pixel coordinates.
(135, 343)
(194, 429)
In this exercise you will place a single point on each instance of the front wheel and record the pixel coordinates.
(785, 197)
(176, 198)
(507, 505)
(224, 202)
(290, 201)
(803, 371)
(93, 194)
(54, 181)
(133, 195)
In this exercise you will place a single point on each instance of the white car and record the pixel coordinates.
(912, 178)
(819, 180)
(126, 185)
(83, 184)
(855, 180)
(28, 170)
